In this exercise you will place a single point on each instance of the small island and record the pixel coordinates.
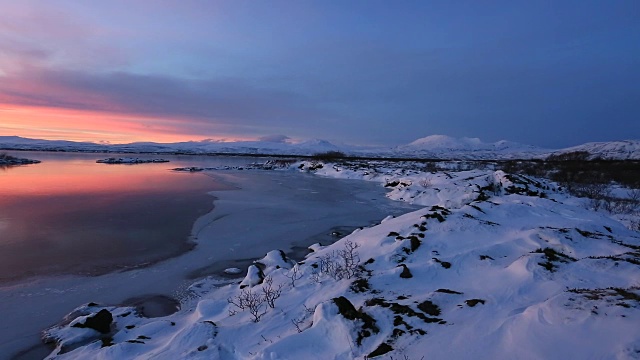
(8, 160)
(128, 160)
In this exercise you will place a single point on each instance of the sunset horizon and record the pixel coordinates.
(362, 72)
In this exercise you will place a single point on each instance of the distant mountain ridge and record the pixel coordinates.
(445, 147)
(611, 150)
(429, 147)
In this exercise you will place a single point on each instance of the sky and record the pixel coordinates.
(546, 73)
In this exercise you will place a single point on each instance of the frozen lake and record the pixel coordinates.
(68, 218)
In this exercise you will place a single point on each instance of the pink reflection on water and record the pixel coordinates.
(76, 216)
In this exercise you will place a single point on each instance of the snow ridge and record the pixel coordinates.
(612, 150)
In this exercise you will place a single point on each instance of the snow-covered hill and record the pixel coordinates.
(446, 147)
(495, 266)
(308, 147)
(612, 150)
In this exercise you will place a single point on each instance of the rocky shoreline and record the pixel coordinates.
(128, 160)
(8, 160)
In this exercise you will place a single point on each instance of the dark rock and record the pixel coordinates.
(429, 308)
(381, 350)
(405, 274)
(100, 322)
(346, 308)
(474, 302)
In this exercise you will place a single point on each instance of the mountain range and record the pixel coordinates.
(430, 147)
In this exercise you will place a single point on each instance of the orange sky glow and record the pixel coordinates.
(91, 126)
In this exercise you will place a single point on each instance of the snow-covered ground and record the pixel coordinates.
(494, 266)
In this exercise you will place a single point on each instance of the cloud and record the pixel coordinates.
(232, 102)
(275, 138)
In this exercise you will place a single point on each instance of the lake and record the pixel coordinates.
(72, 215)
(74, 231)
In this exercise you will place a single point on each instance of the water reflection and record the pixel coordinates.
(71, 215)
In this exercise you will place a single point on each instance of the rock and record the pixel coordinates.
(100, 322)
(254, 277)
(405, 274)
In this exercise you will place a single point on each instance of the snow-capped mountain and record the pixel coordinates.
(442, 146)
(610, 150)
(430, 147)
(267, 146)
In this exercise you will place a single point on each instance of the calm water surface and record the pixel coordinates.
(70, 215)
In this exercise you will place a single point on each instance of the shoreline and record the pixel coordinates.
(270, 211)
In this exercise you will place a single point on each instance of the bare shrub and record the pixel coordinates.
(596, 191)
(271, 293)
(343, 263)
(297, 322)
(248, 300)
(294, 274)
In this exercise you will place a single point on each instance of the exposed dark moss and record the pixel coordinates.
(135, 341)
(619, 294)
(587, 233)
(444, 264)
(448, 291)
(346, 309)
(393, 233)
(434, 215)
(429, 308)
(552, 256)
(401, 309)
(474, 302)
(397, 333)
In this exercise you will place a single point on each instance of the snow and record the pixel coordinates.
(232, 271)
(503, 266)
